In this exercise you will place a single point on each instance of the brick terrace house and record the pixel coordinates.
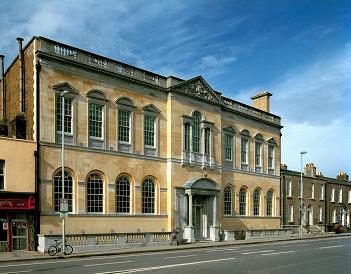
(326, 201)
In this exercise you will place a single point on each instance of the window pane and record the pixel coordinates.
(269, 203)
(68, 188)
(242, 201)
(95, 193)
(149, 131)
(227, 201)
(187, 137)
(95, 120)
(256, 202)
(67, 114)
(271, 157)
(207, 141)
(123, 125)
(123, 195)
(258, 154)
(148, 196)
(243, 150)
(196, 133)
(228, 147)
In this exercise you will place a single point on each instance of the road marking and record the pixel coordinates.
(182, 256)
(220, 249)
(276, 253)
(108, 263)
(165, 266)
(254, 252)
(24, 271)
(325, 247)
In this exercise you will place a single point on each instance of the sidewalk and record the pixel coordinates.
(33, 255)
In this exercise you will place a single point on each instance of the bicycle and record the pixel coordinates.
(57, 247)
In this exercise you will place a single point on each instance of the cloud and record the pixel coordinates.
(328, 147)
(214, 65)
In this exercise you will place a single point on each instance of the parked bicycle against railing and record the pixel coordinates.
(57, 247)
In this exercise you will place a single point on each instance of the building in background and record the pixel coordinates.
(143, 152)
(326, 201)
(17, 194)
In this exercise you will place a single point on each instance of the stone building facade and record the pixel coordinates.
(143, 152)
(326, 201)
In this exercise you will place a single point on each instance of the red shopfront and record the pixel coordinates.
(17, 222)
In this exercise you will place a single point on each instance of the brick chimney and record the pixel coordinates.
(261, 100)
(310, 170)
(343, 176)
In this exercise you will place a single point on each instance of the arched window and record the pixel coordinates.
(269, 203)
(123, 195)
(95, 187)
(148, 196)
(256, 202)
(242, 201)
(196, 132)
(68, 188)
(227, 201)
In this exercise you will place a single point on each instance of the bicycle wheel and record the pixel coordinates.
(52, 250)
(69, 249)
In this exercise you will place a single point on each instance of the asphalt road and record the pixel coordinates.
(328, 255)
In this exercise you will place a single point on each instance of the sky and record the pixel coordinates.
(298, 50)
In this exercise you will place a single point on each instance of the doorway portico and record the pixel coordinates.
(200, 197)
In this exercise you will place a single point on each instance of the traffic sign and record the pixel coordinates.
(63, 205)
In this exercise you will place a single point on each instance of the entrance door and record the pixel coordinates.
(309, 215)
(198, 222)
(19, 234)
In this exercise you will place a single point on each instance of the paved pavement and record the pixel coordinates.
(32, 255)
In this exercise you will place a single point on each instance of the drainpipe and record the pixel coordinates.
(3, 87)
(37, 159)
(21, 75)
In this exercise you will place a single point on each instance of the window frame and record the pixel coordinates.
(340, 196)
(103, 111)
(151, 111)
(91, 204)
(57, 195)
(228, 201)
(256, 202)
(322, 192)
(148, 200)
(332, 195)
(320, 214)
(70, 94)
(271, 158)
(126, 199)
(245, 150)
(243, 201)
(228, 147)
(269, 206)
(58, 119)
(312, 191)
(349, 198)
(290, 213)
(288, 188)
(186, 136)
(125, 104)
(196, 128)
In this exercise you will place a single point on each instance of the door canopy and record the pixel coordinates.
(202, 186)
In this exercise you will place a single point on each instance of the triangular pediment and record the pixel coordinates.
(151, 108)
(198, 88)
(65, 86)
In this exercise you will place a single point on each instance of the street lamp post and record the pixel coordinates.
(62, 95)
(301, 194)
